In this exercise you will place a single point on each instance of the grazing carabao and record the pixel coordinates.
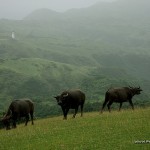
(71, 99)
(16, 110)
(120, 95)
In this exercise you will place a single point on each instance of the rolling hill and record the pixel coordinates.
(92, 49)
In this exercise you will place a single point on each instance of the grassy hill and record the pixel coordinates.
(107, 131)
(92, 49)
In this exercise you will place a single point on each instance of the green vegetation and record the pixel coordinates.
(91, 49)
(81, 48)
(107, 131)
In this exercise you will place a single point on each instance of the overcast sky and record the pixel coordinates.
(17, 9)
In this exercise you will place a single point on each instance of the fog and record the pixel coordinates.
(17, 9)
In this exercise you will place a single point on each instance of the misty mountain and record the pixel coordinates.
(93, 48)
(89, 36)
(117, 9)
(109, 22)
(124, 10)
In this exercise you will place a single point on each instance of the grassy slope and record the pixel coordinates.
(93, 131)
(27, 75)
(36, 66)
(42, 68)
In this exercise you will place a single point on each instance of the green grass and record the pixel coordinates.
(106, 131)
(34, 66)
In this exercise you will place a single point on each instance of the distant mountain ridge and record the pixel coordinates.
(113, 9)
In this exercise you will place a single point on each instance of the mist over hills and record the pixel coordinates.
(43, 14)
(117, 23)
(93, 48)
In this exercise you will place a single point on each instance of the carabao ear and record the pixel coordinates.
(130, 87)
(57, 97)
(140, 88)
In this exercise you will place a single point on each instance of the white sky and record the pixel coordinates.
(17, 9)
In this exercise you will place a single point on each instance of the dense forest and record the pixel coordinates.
(91, 49)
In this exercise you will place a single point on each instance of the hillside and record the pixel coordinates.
(122, 130)
(92, 49)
